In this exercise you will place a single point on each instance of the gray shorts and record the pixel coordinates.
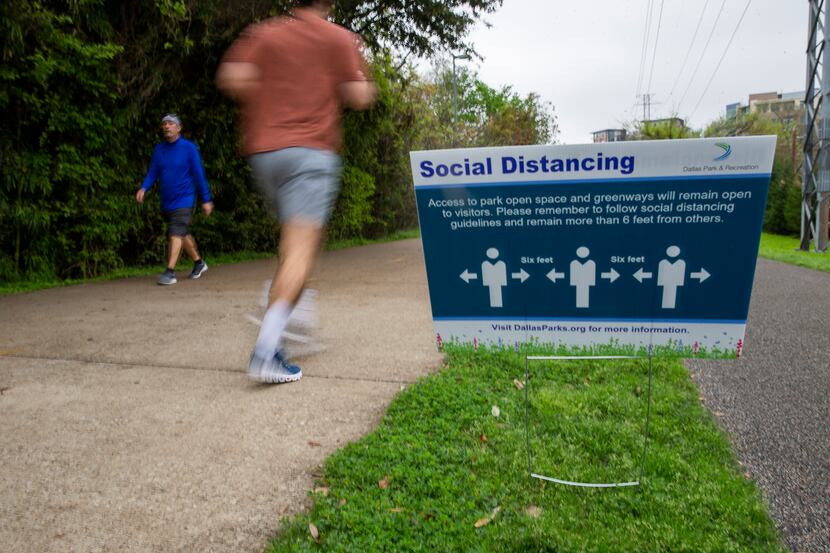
(298, 183)
(178, 221)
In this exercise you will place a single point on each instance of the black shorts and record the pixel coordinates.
(178, 221)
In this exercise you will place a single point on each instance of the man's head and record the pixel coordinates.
(171, 127)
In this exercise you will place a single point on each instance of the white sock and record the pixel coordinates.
(273, 324)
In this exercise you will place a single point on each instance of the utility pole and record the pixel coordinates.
(455, 85)
(454, 96)
(815, 183)
(646, 103)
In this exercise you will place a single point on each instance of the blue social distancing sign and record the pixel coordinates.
(631, 244)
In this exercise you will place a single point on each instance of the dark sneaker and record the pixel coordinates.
(198, 268)
(167, 277)
(273, 371)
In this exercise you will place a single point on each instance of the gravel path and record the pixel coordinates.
(775, 401)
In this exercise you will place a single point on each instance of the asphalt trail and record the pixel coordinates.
(775, 401)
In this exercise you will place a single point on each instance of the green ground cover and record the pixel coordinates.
(447, 467)
(780, 248)
(784, 248)
(185, 264)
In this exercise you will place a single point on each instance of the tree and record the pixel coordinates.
(661, 129)
(419, 27)
(465, 111)
(83, 85)
(59, 143)
(783, 214)
(507, 119)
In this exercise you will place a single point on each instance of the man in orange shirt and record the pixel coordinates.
(292, 77)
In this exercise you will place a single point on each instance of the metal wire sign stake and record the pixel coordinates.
(533, 474)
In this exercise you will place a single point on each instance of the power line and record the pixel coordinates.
(689, 51)
(656, 39)
(644, 49)
(721, 58)
(702, 54)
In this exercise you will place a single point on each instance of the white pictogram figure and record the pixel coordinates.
(583, 276)
(671, 275)
(494, 276)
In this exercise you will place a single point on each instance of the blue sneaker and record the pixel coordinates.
(167, 278)
(276, 370)
(198, 269)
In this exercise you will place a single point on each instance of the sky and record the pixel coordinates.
(585, 58)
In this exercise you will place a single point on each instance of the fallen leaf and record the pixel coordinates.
(383, 484)
(4, 390)
(534, 511)
(496, 411)
(322, 490)
(482, 522)
(396, 510)
(487, 520)
(314, 532)
(314, 444)
(482, 438)
(342, 502)
(518, 384)
(719, 413)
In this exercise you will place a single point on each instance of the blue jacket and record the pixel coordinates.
(178, 168)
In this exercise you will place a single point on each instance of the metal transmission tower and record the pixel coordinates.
(815, 184)
(648, 101)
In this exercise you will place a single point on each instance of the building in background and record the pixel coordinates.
(787, 107)
(609, 135)
(732, 109)
(668, 121)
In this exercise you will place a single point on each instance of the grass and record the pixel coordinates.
(443, 473)
(353, 242)
(780, 248)
(185, 264)
(785, 249)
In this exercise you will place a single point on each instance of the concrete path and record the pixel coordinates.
(128, 423)
(775, 400)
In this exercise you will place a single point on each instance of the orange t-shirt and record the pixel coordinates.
(302, 59)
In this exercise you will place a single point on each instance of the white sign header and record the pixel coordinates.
(704, 157)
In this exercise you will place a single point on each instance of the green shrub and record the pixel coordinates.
(354, 207)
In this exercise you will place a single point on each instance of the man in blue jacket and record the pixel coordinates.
(177, 166)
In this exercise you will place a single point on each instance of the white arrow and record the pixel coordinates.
(611, 275)
(553, 275)
(467, 276)
(640, 275)
(521, 275)
(702, 275)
